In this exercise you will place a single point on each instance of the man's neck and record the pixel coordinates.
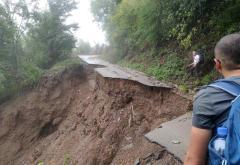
(234, 73)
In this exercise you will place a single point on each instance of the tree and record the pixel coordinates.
(32, 41)
(103, 9)
(11, 31)
(135, 24)
(83, 48)
(54, 38)
(11, 52)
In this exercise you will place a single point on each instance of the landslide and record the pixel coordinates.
(78, 117)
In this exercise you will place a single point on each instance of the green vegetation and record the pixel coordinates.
(142, 29)
(172, 69)
(83, 48)
(67, 159)
(33, 41)
(40, 163)
(184, 88)
(64, 64)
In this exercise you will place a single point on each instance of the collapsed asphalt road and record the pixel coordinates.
(80, 116)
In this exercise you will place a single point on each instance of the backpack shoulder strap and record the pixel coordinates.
(228, 86)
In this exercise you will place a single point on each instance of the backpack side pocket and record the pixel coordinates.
(214, 157)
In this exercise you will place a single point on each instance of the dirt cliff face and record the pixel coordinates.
(78, 117)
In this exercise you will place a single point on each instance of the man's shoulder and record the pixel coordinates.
(204, 108)
(207, 92)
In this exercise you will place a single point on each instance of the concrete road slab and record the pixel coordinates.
(174, 135)
(94, 60)
(115, 71)
(120, 73)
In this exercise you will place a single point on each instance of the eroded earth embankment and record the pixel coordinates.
(78, 117)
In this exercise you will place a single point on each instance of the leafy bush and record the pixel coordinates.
(30, 74)
(171, 69)
(183, 88)
(11, 84)
(208, 78)
(8, 86)
(64, 64)
(2, 80)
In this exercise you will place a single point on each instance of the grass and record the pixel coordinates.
(171, 69)
(208, 78)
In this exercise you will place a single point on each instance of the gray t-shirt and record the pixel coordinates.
(211, 106)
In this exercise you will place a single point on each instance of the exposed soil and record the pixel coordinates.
(78, 117)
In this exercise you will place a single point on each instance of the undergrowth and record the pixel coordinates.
(165, 68)
(11, 85)
(64, 64)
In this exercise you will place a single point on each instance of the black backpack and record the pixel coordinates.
(201, 54)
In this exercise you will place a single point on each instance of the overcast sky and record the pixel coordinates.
(88, 29)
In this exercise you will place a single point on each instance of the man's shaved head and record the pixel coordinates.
(228, 51)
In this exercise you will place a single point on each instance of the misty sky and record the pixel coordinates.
(88, 29)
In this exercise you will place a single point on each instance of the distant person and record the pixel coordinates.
(212, 107)
(194, 67)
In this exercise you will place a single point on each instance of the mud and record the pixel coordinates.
(78, 117)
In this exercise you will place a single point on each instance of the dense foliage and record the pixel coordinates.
(151, 22)
(135, 27)
(32, 40)
(52, 37)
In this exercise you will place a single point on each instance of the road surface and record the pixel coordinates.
(114, 71)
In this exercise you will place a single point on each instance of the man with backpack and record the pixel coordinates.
(218, 106)
(194, 67)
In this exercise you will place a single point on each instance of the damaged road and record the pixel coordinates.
(173, 134)
(107, 70)
(80, 116)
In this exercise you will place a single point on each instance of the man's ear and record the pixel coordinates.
(218, 65)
